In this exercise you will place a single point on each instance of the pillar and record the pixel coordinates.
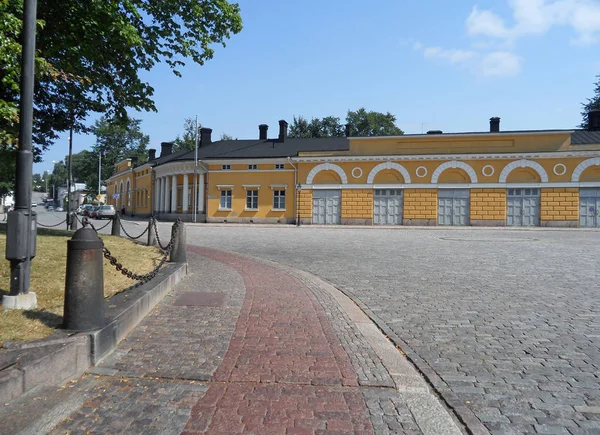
(165, 195)
(201, 193)
(174, 194)
(184, 203)
(156, 204)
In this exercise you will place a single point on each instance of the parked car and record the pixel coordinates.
(34, 204)
(86, 209)
(50, 207)
(60, 209)
(94, 212)
(106, 211)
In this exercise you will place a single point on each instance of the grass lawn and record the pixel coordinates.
(48, 281)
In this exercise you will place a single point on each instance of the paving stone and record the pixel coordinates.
(518, 306)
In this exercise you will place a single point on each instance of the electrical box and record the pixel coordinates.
(16, 236)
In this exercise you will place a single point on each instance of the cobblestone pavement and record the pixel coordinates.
(273, 359)
(505, 323)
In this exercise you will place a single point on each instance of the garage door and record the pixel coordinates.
(326, 207)
(453, 207)
(589, 207)
(387, 207)
(523, 207)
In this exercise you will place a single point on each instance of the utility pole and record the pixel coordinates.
(70, 176)
(99, 171)
(195, 172)
(21, 226)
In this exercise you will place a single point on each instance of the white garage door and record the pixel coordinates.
(453, 207)
(326, 207)
(387, 207)
(523, 207)
(589, 207)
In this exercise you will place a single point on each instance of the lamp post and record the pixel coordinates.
(21, 233)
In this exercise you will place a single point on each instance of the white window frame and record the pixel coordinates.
(226, 167)
(253, 167)
(279, 165)
(278, 196)
(226, 197)
(252, 195)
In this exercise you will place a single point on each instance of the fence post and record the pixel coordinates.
(84, 283)
(178, 254)
(151, 235)
(116, 226)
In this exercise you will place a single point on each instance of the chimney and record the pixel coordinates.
(262, 131)
(134, 161)
(205, 136)
(151, 154)
(494, 125)
(283, 125)
(166, 148)
(594, 120)
(347, 130)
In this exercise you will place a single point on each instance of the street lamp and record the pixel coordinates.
(21, 226)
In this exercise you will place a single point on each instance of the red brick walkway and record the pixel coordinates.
(285, 371)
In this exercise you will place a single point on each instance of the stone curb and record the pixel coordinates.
(61, 357)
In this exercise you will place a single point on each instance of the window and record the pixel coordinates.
(253, 167)
(251, 199)
(226, 167)
(279, 199)
(225, 200)
(279, 166)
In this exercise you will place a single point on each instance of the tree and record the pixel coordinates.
(38, 183)
(116, 140)
(90, 53)
(225, 136)
(363, 123)
(188, 140)
(592, 104)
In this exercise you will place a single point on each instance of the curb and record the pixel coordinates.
(65, 356)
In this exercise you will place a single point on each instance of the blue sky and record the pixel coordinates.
(530, 62)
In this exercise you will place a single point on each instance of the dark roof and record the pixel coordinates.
(164, 159)
(585, 137)
(270, 148)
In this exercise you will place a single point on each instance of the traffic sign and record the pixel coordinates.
(115, 195)
(98, 196)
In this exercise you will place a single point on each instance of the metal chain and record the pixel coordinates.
(129, 235)
(105, 225)
(148, 276)
(156, 233)
(52, 226)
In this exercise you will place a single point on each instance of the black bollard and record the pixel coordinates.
(178, 254)
(116, 226)
(84, 284)
(151, 235)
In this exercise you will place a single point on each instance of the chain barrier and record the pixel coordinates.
(105, 225)
(163, 248)
(129, 235)
(132, 275)
(52, 226)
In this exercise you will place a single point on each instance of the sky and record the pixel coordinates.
(434, 66)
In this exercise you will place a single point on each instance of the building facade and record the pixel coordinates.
(491, 178)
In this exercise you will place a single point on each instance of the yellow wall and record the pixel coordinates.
(420, 204)
(488, 204)
(559, 204)
(357, 204)
(305, 204)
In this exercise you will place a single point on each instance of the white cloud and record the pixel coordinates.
(537, 17)
(452, 56)
(501, 64)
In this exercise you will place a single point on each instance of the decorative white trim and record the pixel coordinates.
(249, 170)
(523, 163)
(359, 172)
(434, 157)
(251, 186)
(389, 165)
(466, 135)
(449, 186)
(560, 172)
(423, 174)
(488, 174)
(454, 164)
(224, 186)
(326, 167)
(583, 166)
(279, 186)
(277, 209)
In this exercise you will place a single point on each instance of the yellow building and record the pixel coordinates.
(492, 178)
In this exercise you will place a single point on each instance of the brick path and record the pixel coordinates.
(274, 359)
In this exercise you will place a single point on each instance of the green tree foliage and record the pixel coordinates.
(225, 136)
(362, 123)
(592, 104)
(38, 183)
(90, 54)
(187, 141)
